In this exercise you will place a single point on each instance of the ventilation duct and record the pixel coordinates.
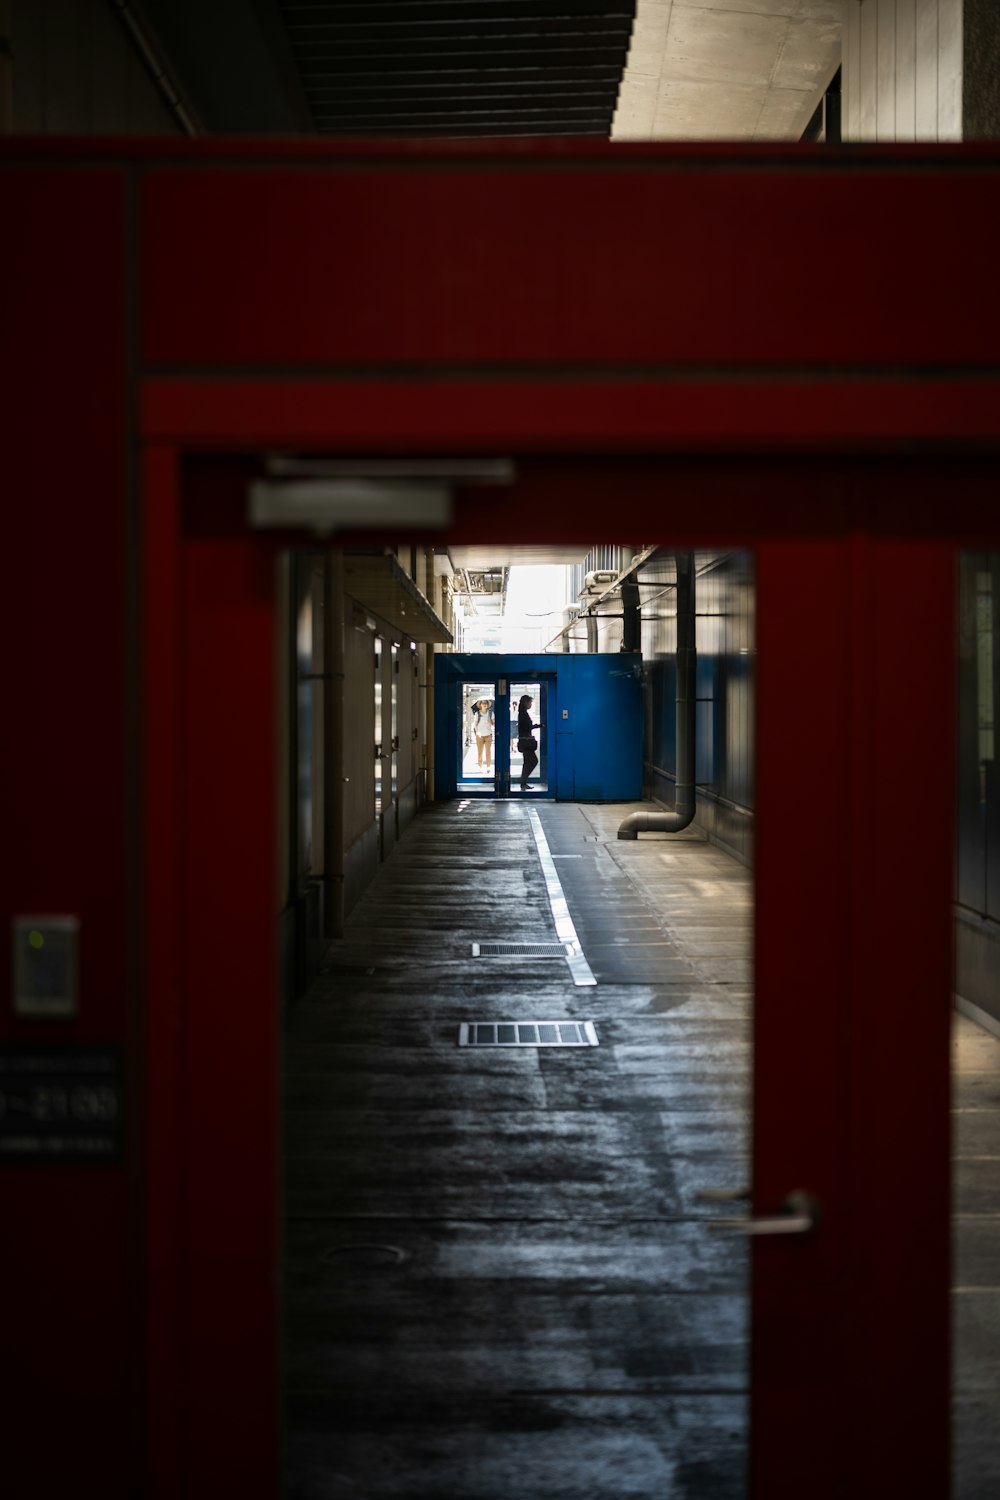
(631, 616)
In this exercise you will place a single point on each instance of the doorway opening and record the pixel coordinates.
(229, 719)
(501, 1274)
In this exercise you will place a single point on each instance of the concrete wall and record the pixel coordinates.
(902, 70)
(310, 769)
(981, 71)
(70, 68)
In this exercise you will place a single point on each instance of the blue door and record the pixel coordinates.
(475, 736)
(585, 712)
(480, 750)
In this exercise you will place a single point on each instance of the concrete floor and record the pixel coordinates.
(976, 1222)
(499, 1281)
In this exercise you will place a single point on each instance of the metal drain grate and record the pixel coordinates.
(527, 1034)
(519, 950)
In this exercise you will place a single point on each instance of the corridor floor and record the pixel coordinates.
(498, 1277)
(499, 1280)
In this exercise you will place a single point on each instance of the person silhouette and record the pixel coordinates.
(526, 742)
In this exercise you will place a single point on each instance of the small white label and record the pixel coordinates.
(44, 951)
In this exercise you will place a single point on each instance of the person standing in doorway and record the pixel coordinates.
(526, 742)
(482, 725)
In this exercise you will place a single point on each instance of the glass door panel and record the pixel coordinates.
(394, 741)
(529, 764)
(379, 756)
(477, 731)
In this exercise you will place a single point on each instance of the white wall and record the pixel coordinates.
(902, 70)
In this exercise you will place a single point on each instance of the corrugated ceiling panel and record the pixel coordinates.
(461, 67)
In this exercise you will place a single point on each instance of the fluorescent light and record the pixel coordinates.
(325, 505)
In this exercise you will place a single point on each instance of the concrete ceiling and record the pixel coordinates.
(460, 67)
(737, 70)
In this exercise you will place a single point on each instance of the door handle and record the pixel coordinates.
(798, 1213)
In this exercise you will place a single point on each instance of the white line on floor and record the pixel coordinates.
(565, 931)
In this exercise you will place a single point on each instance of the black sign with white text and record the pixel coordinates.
(60, 1104)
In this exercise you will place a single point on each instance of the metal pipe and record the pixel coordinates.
(157, 69)
(631, 617)
(684, 791)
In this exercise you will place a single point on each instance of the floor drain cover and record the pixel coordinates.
(527, 1034)
(519, 950)
(369, 1255)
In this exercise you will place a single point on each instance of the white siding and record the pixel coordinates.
(902, 63)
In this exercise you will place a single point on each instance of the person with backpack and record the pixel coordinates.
(482, 728)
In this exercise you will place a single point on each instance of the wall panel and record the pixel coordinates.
(724, 604)
(75, 72)
(359, 712)
(926, 61)
(903, 70)
(70, 1324)
(906, 70)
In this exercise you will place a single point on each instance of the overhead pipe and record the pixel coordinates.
(684, 718)
(158, 71)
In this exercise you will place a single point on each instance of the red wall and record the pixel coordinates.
(253, 273)
(69, 1266)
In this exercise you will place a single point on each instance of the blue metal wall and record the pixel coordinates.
(595, 719)
(724, 632)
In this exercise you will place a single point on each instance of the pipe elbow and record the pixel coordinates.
(667, 822)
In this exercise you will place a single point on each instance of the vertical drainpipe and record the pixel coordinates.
(333, 739)
(429, 721)
(631, 616)
(684, 799)
(592, 641)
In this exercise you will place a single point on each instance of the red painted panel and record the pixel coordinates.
(901, 937)
(165, 1083)
(851, 1089)
(320, 286)
(69, 1325)
(227, 1118)
(559, 416)
(802, 972)
(62, 398)
(676, 261)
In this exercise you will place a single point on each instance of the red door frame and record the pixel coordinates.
(561, 298)
(782, 401)
(863, 614)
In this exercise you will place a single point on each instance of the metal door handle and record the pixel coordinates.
(798, 1213)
